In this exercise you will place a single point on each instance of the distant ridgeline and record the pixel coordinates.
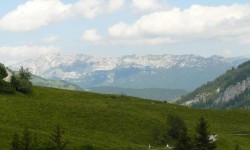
(11, 82)
(230, 90)
(146, 93)
(60, 84)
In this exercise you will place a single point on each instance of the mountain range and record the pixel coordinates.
(133, 71)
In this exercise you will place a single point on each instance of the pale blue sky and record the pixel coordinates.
(29, 28)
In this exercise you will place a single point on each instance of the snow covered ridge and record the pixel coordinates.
(107, 63)
(130, 71)
(74, 66)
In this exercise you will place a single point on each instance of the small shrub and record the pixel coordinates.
(21, 85)
(6, 87)
(15, 143)
(87, 147)
(24, 86)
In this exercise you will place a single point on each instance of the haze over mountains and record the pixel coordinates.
(133, 71)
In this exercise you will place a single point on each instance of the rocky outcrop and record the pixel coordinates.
(224, 97)
(8, 78)
(231, 92)
(198, 98)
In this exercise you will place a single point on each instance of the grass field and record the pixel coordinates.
(109, 121)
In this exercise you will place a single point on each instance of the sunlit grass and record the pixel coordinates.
(110, 121)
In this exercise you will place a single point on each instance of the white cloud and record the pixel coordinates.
(92, 8)
(91, 36)
(51, 39)
(10, 55)
(227, 53)
(148, 5)
(139, 41)
(35, 14)
(192, 23)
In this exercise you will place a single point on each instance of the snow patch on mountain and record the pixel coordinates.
(77, 66)
(143, 70)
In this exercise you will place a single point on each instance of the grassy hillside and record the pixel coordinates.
(108, 121)
(39, 81)
(148, 93)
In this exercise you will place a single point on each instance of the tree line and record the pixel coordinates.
(177, 135)
(56, 141)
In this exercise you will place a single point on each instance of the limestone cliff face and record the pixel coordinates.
(198, 99)
(229, 91)
(233, 91)
(8, 78)
(223, 97)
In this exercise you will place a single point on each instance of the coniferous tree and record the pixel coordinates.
(237, 147)
(26, 142)
(57, 142)
(176, 125)
(15, 144)
(202, 141)
(184, 141)
(36, 143)
(156, 133)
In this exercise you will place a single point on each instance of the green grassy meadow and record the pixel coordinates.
(110, 122)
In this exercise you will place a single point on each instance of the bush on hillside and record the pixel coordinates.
(87, 147)
(21, 85)
(6, 87)
(21, 81)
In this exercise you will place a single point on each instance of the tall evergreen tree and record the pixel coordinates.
(26, 142)
(202, 141)
(57, 139)
(156, 133)
(176, 125)
(15, 144)
(36, 144)
(237, 147)
(184, 141)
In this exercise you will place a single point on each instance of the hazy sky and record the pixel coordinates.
(29, 28)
